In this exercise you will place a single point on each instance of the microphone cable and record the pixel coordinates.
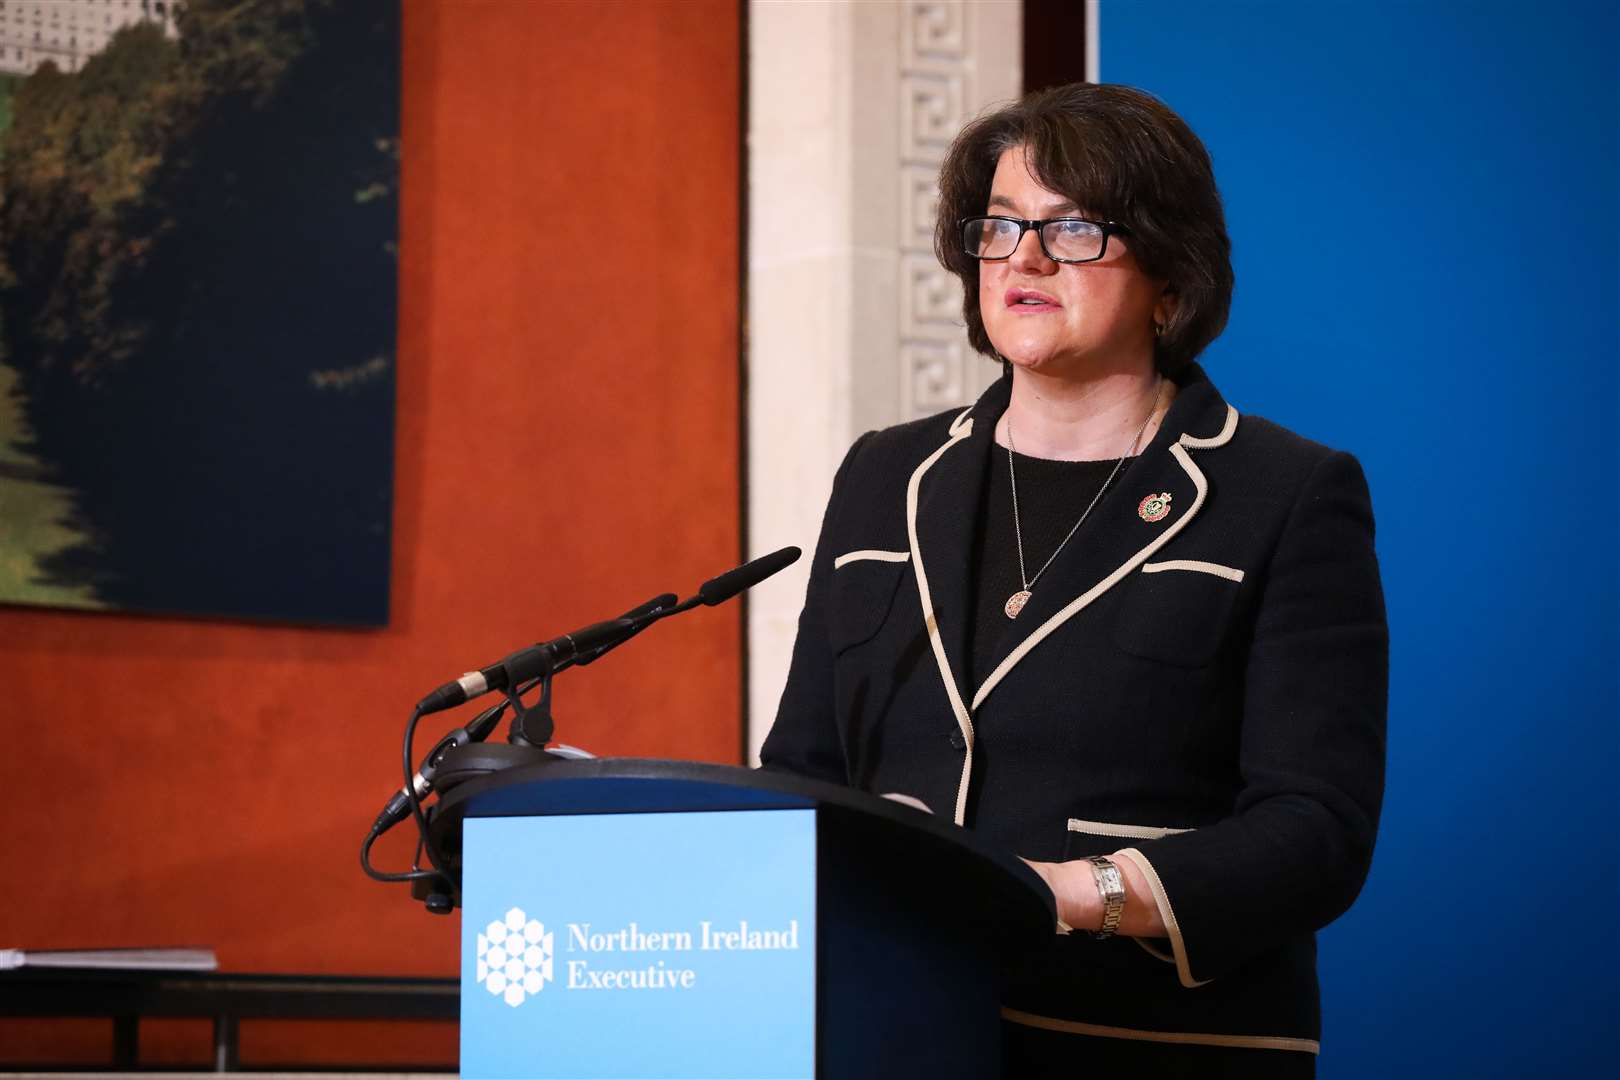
(424, 839)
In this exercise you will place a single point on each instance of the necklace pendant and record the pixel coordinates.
(1015, 603)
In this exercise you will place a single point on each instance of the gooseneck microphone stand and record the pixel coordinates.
(464, 754)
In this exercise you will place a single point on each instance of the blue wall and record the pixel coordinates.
(1423, 204)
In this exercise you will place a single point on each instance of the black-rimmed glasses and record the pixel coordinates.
(1064, 240)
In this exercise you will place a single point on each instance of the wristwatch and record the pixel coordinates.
(1111, 887)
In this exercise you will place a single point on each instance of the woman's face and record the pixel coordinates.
(1064, 319)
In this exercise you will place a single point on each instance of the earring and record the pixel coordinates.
(1158, 329)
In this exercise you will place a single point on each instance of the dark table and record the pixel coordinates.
(125, 997)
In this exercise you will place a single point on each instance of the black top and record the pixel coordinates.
(1051, 497)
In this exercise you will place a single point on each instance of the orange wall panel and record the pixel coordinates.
(567, 446)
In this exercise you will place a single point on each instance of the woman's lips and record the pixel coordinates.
(1030, 302)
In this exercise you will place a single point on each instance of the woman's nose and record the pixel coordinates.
(1029, 257)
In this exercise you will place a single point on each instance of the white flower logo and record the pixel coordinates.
(514, 957)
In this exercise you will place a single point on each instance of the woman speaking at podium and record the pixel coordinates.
(1105, 619)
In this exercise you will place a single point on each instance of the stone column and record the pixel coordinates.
(852, 324)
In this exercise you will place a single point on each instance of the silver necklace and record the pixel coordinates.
(1015, 603)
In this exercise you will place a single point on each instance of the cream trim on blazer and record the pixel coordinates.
(1257, 1042)
(1154, 951)
(1128, 832)
(1220, 438)
(870, 554)
(1167, 913)
(1200, 483)
(960, 429)
(1230, 573)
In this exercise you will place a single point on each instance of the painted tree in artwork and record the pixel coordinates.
(197, 259)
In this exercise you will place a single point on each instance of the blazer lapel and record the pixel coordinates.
(948, 493)
(942, 501)
(1126, 527)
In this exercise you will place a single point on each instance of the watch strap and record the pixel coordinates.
(1111, 887)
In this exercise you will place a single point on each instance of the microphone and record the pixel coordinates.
(718, 590)
(399, 806)
(523, 668)
(586, 644)
(554, 655)
(639, 616)
(526, 664)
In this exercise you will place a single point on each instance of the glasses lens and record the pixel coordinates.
(1072, 240)
(989, 238)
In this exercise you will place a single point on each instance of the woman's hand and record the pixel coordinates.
(1080, 905)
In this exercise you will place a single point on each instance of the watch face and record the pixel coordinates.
(1109, 880)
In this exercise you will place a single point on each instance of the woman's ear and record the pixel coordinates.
(1165, 308)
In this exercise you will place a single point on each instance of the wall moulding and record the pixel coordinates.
(852, 323)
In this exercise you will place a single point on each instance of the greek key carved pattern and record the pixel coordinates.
(931, 113)
(930, 300)
(936, 66)
(935, 370)
(919, 203)
(933, 31)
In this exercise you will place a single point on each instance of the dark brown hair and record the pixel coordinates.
(1123, 156)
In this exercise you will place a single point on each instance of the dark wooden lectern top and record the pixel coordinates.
(986, 889)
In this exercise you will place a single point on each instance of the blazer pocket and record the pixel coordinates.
(1086, 838)
(1176, 612)
(870, 555)
(1196, 566)
(863, 589)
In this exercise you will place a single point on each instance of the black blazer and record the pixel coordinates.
(1205, 691)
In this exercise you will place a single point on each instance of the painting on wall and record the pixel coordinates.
(198, 288)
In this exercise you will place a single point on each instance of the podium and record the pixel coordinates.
(819, 930)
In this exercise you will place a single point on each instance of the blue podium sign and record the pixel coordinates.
(639, 946)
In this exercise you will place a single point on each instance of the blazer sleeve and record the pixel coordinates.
(804, 738)
(1296, 851)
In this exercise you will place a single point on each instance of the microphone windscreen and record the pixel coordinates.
(719, 590)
